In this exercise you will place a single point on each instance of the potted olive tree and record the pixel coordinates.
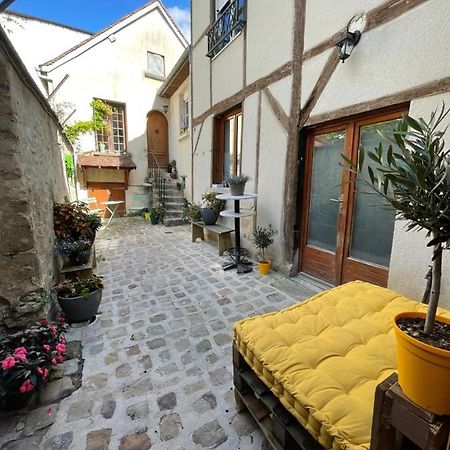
(415, 180)
(211, 207)
(80, 298)
(237, 184)
(261, 238)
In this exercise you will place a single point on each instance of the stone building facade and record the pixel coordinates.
(32, 178)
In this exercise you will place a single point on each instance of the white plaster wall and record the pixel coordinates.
(249, 133)
(311, 70)
(269, 36)
(282, 91)
(325, 17)
(226, 82)
(202, 18)
(401, 54)
(37, 41)
(201, 78)
(180, 146)
(114, 71)
(410, 256)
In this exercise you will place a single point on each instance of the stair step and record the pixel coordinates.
(172, 222)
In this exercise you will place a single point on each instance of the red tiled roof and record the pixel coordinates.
(108, 161)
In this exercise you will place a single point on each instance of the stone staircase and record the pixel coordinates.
(174, 204)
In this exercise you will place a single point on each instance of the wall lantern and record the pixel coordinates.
(166, 108)
(351, 37)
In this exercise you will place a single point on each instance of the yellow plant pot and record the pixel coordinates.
(264, 267)
(147, 216)
(423, 370)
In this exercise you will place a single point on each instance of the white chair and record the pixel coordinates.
(92, 201)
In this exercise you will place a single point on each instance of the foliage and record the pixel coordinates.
(161, 212)
(100, 112)
(154, 214)
(415, 180)
(192, 211)
(179, 185)
(79, 287)
(210, 201)
(26, 359)
(172, 166)
(262, 237)
(73, 221)
(237, 179)
(77, 251)
(70, 168)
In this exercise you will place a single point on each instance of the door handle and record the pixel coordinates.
(339, 200)
(336, 200)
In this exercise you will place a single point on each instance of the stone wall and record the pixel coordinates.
(32, 178)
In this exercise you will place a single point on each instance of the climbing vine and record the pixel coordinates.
(70, 169)
(100, 113)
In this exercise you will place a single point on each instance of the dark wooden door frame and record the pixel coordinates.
(352, 125)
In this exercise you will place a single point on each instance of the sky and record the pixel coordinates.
(94, 15)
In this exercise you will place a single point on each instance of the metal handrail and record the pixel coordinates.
(159, 181)
(228, 24)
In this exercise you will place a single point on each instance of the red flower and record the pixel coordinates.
(60, 358)
(46, 347)
(53, 329)
(61, 319)
(20, 354)
(27, 386)
(42, 372)
(8, 363)
(61, 348)
(54, 361)
(44, 322)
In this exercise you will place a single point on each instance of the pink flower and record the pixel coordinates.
(61, 348)
(46, 347)
(42, 372)
(53, 329)
(60, 358)
(44, 322)
(20, 354)
(49, 411)
(27, 386)
(8, 363)
(54, 361)
(61, 319)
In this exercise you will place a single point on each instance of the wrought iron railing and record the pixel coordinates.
(158, 180)
(229, 23)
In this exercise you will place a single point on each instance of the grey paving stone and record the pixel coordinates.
(136, 441)
(210, 435)
(39, 418)
(222, 339)
(220, 376)
(56, 390)
(138, 410)
(145, 362)
(205, 403)
(156, 343)
(138, 387)
(111, 358)
(99, 439)
(170, 426)
(133, 350)
(204, 346)
(60, 442)
(123, 370)
(79, 410)
(70, 367)
(167, 401)
(108, 408)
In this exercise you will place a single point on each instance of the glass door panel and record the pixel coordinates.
(229, 146)
(325, 197)
(373, 220)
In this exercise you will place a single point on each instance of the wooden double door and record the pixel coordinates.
(105, 192)
(347, 228)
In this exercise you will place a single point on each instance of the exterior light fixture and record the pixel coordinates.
(166, 108)
(351, 37)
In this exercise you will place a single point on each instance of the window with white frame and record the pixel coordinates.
(155, 66)
(184, 113)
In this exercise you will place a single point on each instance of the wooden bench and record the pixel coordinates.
(223, 234)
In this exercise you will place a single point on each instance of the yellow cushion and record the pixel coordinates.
(323, 358)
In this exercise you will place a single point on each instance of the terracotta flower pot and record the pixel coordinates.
(423, 370)
(80, 309)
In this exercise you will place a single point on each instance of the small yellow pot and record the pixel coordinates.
(264, 267)
(423, 370)
(147, 216)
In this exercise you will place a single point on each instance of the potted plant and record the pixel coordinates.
(211, 207)
(415, 180)
(172, 169)
(261, 238)
(192, 212)
(161, 212)
(26, 360)
(77, 252)
(237, 184)
(80, 298)
(154, 215)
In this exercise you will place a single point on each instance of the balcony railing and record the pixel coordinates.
(230, 22)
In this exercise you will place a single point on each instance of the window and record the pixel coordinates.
(184, 114)
(155, 66)
(227, 145)
(113, 138)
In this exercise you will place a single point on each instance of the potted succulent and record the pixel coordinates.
(80, 298)
(154, 215)
(26, 361)
(211, 207)
(415, 179)
(237, 184)
(77, 252)
(261, 238)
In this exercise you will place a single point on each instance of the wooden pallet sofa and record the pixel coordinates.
(319, 363)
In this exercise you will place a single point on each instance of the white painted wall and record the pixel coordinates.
(179, 144)
(37, 41)
(201, 78)
(114, 71)
(410, 256)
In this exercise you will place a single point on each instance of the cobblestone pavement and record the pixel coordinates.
(158, 370)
